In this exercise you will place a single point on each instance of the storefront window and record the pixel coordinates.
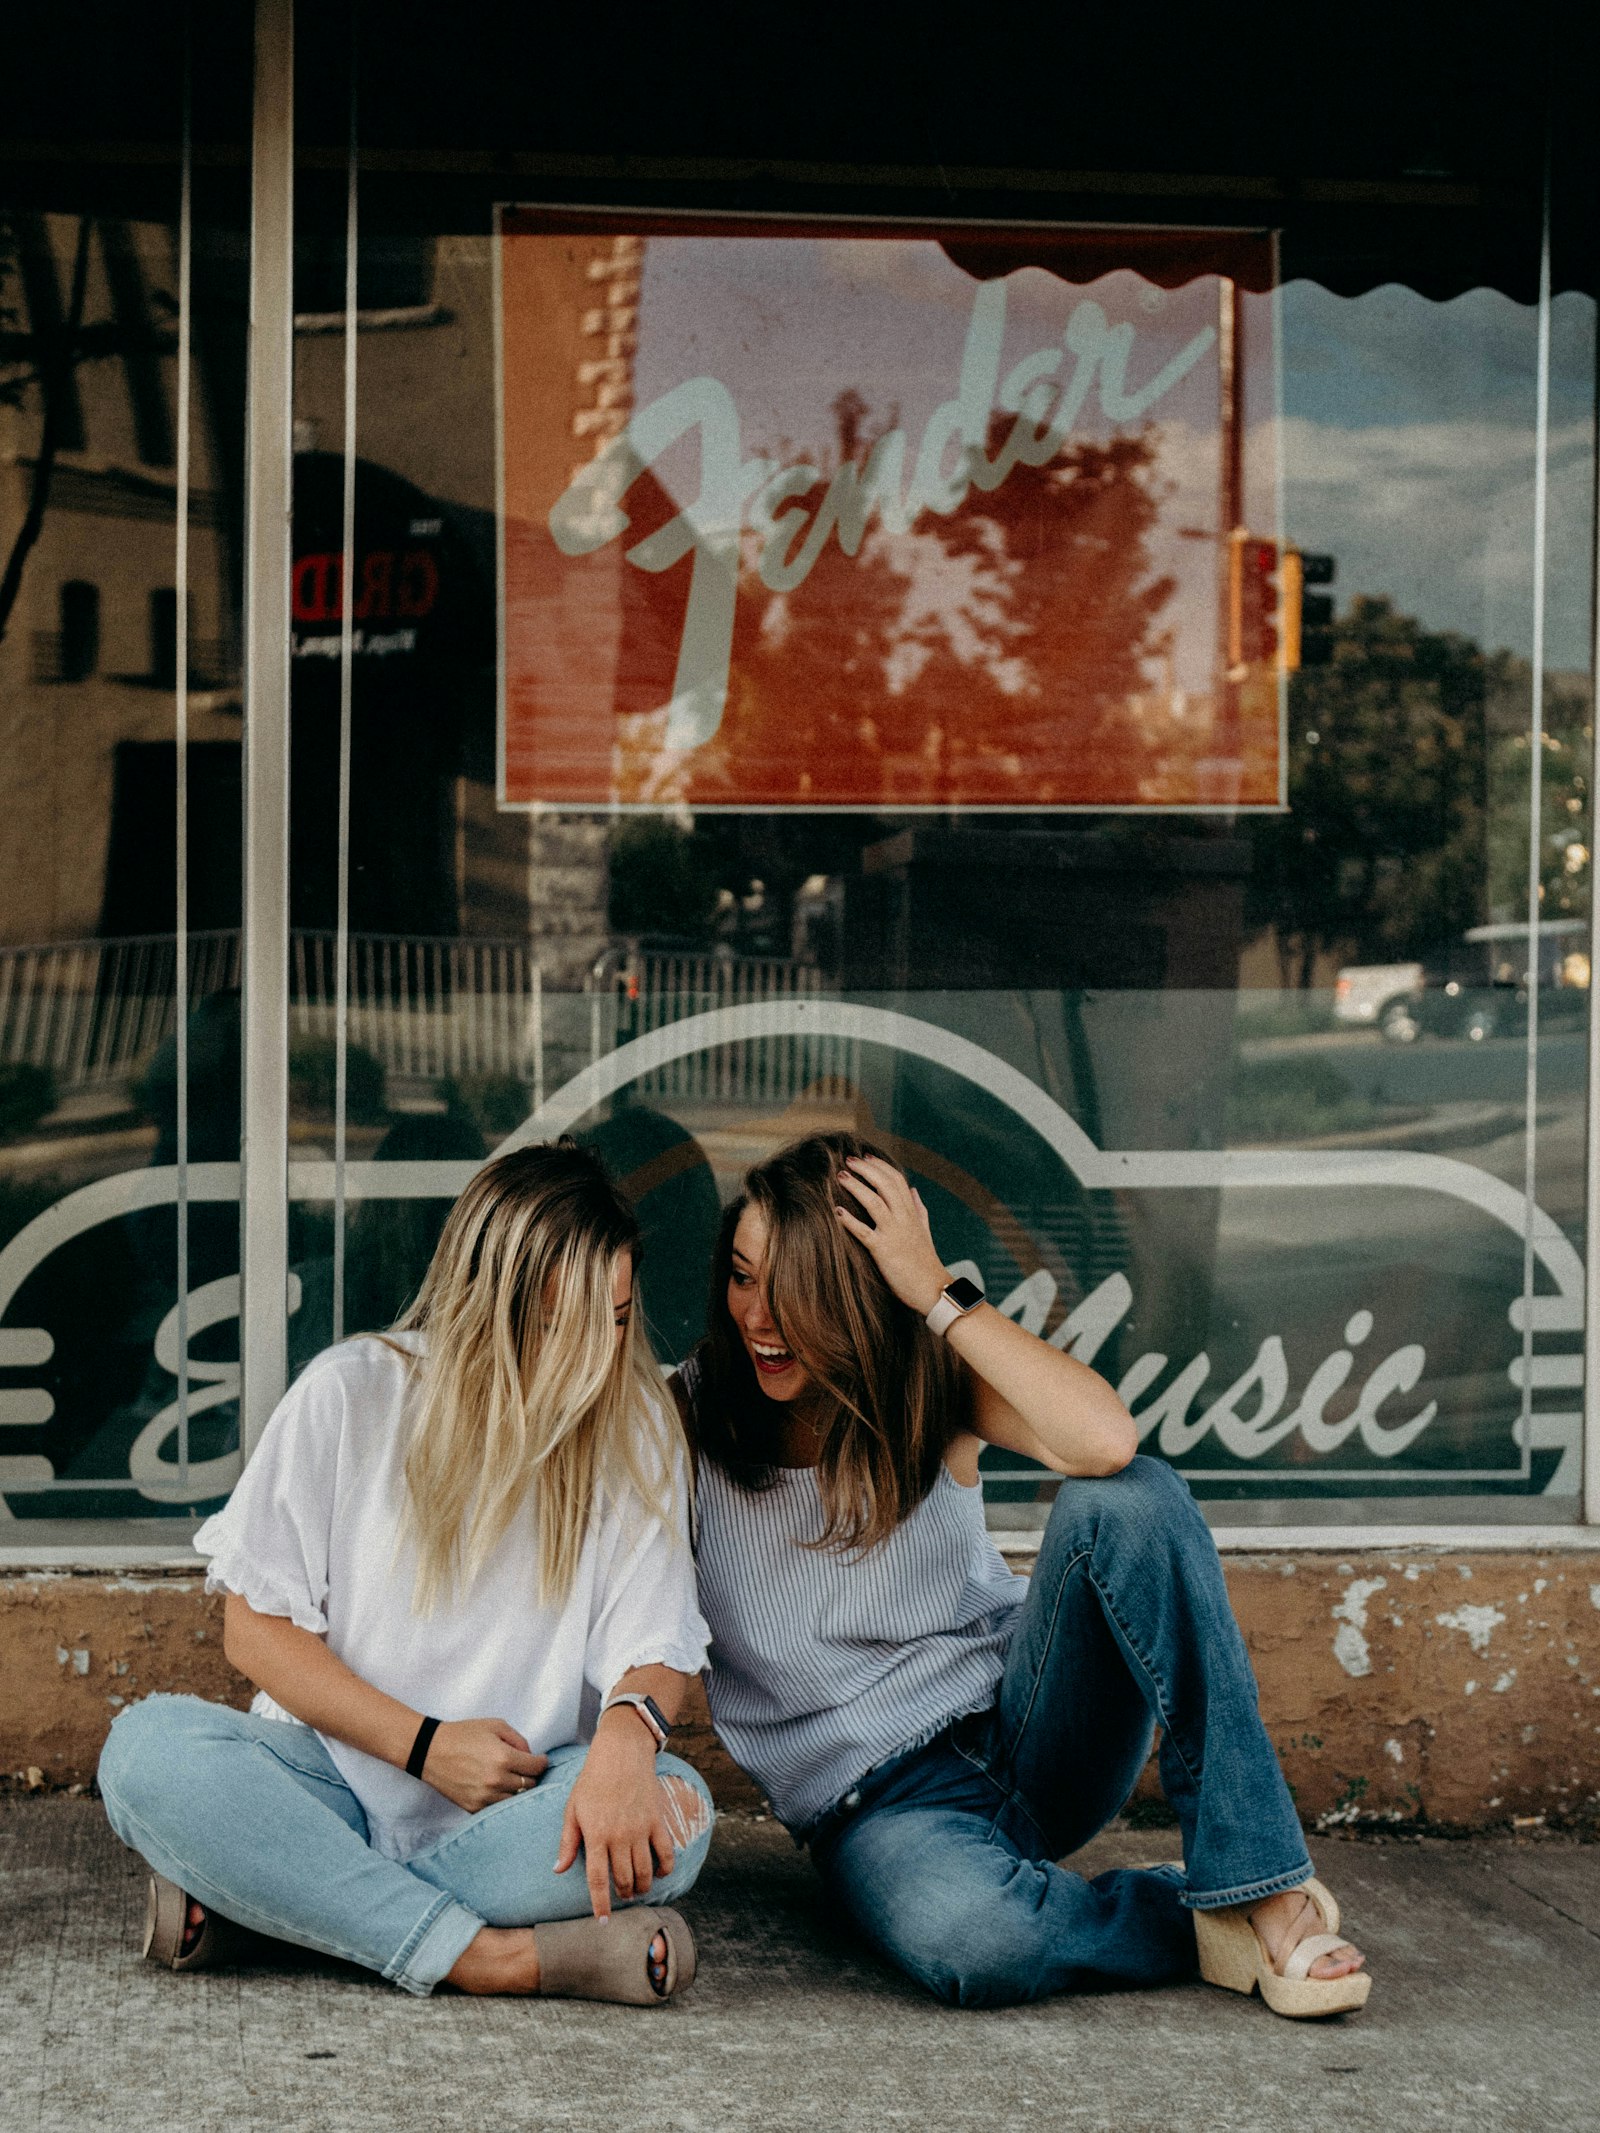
(122, 277)
(1059, 700)
(1096, 697)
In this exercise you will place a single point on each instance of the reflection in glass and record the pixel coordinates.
(1178, 1088)
(100, 1343)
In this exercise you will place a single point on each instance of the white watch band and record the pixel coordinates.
(641, 1705)
(944, 1313)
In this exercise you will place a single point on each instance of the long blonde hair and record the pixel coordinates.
(523, 1382)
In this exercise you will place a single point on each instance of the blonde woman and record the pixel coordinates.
(938, 1732)
(450, 1539)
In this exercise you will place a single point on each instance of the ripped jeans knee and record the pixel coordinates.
(689, 1814)
(687, 1807)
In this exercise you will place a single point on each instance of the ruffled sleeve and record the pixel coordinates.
(645, 1608)
(270, 1542)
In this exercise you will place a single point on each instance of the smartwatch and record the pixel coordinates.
(650, 1712)
(957, 1298)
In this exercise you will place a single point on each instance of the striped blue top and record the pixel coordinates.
(824, 1665)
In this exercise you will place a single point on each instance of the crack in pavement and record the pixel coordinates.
(1550, 1905)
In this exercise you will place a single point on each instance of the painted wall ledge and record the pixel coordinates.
(1408, 1682)
(1018, 1545)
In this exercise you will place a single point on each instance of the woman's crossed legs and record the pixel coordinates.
(252, 1817)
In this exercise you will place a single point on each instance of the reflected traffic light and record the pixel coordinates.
(1307, 616)
(1252, 603)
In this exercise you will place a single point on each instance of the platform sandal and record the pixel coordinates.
(169, 1938)
(1234, 1956)
(583, 1959)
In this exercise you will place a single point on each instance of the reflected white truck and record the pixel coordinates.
(1476, 988)
(1380, 996)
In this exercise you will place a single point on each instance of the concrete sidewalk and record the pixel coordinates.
(1486, 2014)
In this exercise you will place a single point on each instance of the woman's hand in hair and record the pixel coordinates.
(888, 1217)
(1027, 1396)
(476, 1761)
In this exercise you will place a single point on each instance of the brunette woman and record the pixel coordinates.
(448, 1539)
(938, 1732)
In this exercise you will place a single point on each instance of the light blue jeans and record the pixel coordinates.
(946, 1857)
(252, 1817)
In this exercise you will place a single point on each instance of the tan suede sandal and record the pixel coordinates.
(1234, 1956)
(166, 1929)
(581, 1959)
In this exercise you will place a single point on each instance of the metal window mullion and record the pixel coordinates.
(1530, 1143)
(538, 1036)
(341, 1013)
(269, 476)
(180, 968)
(1591, 1320)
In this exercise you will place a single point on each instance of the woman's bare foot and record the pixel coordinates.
(194, 1924)
(1284, 1921)
(506, 1959)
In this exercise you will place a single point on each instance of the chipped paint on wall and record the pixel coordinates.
(1477, 1624)
(1396, 1741)
(1350, 1646)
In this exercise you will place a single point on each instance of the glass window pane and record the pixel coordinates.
(1116, 800)
(91, 291)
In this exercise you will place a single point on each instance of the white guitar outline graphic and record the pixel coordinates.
(1559, 1309)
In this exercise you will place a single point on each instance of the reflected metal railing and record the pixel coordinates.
(653, 988)
(94, 1013)
(428, 1008)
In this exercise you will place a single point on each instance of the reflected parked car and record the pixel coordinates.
(1475, 988)
(1368, 995)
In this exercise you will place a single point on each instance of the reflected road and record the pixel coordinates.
(1442, 1070)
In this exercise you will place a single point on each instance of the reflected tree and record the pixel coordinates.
(663, 880)
(38, 357)
(964, 650)
(1062, 653)
(1565, 756)
(1382, 854)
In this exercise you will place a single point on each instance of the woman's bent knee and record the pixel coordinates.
(1149, 1480)
(982, 1960)
(1147, 1495)
(143, 1738)
(148, 1750)
(136, 1763)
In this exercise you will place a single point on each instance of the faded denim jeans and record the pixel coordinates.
(252, 1817)
(945, 1857)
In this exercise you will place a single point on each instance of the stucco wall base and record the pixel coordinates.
(1451, 1690)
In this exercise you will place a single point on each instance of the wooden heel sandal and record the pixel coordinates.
(1234, 1956)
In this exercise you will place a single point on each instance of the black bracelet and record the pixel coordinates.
(420, 1746)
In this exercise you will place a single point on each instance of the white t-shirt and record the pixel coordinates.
(311, 1532)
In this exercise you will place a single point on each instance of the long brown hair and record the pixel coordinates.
(885, 1394)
